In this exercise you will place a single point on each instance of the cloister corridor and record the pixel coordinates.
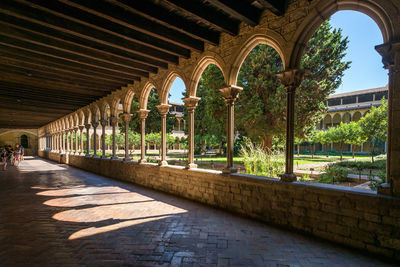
(56, 215)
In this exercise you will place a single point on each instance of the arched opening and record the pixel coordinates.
(24, 141)
(357, 75)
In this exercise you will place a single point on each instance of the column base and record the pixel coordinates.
(114, 158)
(384, 189)
(229, 170)
(127, 159)
(163, 163)
(288, 177)
(104, 157)
(191, 166)
(95, 156)
(82, 154)
(141, 161)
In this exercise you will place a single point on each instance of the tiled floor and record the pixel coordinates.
(55, 215)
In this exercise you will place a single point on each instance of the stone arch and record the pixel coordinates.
(356, 116)
(87, 115)
(95, 111)
(324, 9)
(76, 119)
(346, 117)
(81, 117)
(337, 119)
(273, 40)
(71, 122)
(104, 106)
(144, 96)
(114, 103)
(327, 121)
(66, 123)
(127, 100)
(199, 69)
(168, 81)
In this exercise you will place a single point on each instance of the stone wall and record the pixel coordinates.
(356, 218)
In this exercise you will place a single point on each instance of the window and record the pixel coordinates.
(24, 141)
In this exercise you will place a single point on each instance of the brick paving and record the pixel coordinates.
(56, 215)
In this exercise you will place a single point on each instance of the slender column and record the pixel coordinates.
(127, 118)
(163, 110)
(390, 53)
(64, 141)
(103, 123)
(143, 115)
(76, 140)
(191, 104)
(114, 123)
(81, 127)
(71, 147)
(291, 79)
(87, 126)
(60, 143)
(230, 94)
(94, 125)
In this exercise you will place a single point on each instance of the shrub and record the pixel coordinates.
(260, 162)
(375, 183)
(334, 174)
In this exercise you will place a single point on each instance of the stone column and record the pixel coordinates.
(127, 118)
(87, 126)
(191, 104)
(290, 79)
(103, 123)
(114, 123)
(94, 125)
(163, 110)
(76, 128)
(230, 94)
(66, 142)
(143, 115)
(81, 127)
(60, 141)
(71, 141)
(390, 53)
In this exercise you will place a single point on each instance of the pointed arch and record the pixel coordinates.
(168, 81)
(144, 96)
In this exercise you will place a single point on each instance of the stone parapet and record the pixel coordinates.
(352, 217)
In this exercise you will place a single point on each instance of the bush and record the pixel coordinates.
(260, 162)
(334, 174)
(374, 183)
(378, 164)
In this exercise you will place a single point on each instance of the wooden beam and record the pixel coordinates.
(121, 16)
(161, 15)
(36, 103)
(240, 10)
(45, 99)
(46, 68)
(46, 17)
(57, 77)
(43, 49)
(36, 58)
(206, 14)
(55, 111)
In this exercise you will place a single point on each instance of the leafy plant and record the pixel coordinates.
(334, 174)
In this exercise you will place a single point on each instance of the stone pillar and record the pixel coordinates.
(67, 144)
(94, 125)
(81, 127)
(143, 115)
(230, 94)
(127, 118)
(103, 123)
(76, 128)
(191, 104)
(87, 126)
(390, 53)
(60, 141)
(71, 141)
(163, 110)
(114, 123)
(290, 79)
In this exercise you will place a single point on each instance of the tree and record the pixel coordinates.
(354, 135)
(312, 138)
(374, 125)
(261, 107)
(339, 134)
(322, 137)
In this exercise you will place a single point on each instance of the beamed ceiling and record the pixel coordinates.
(58, 56)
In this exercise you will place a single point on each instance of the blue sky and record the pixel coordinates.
(366, 70)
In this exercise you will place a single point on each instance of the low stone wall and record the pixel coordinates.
(357, 218)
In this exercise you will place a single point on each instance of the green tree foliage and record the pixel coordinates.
(339, 134)
(354, 135)
(261, 106)
(210, 114)
(374, 125)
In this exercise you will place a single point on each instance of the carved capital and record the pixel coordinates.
(114, 121)
(163, 109)
(81, 127)
(230, 93)
(126, 117)
(95, 124)
(143, 113)
(104, 123)
(88, 126)
(388, 52)
(291, 78)
(76, 128)
(191, 102)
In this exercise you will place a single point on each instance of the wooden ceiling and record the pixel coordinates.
(58, 56)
